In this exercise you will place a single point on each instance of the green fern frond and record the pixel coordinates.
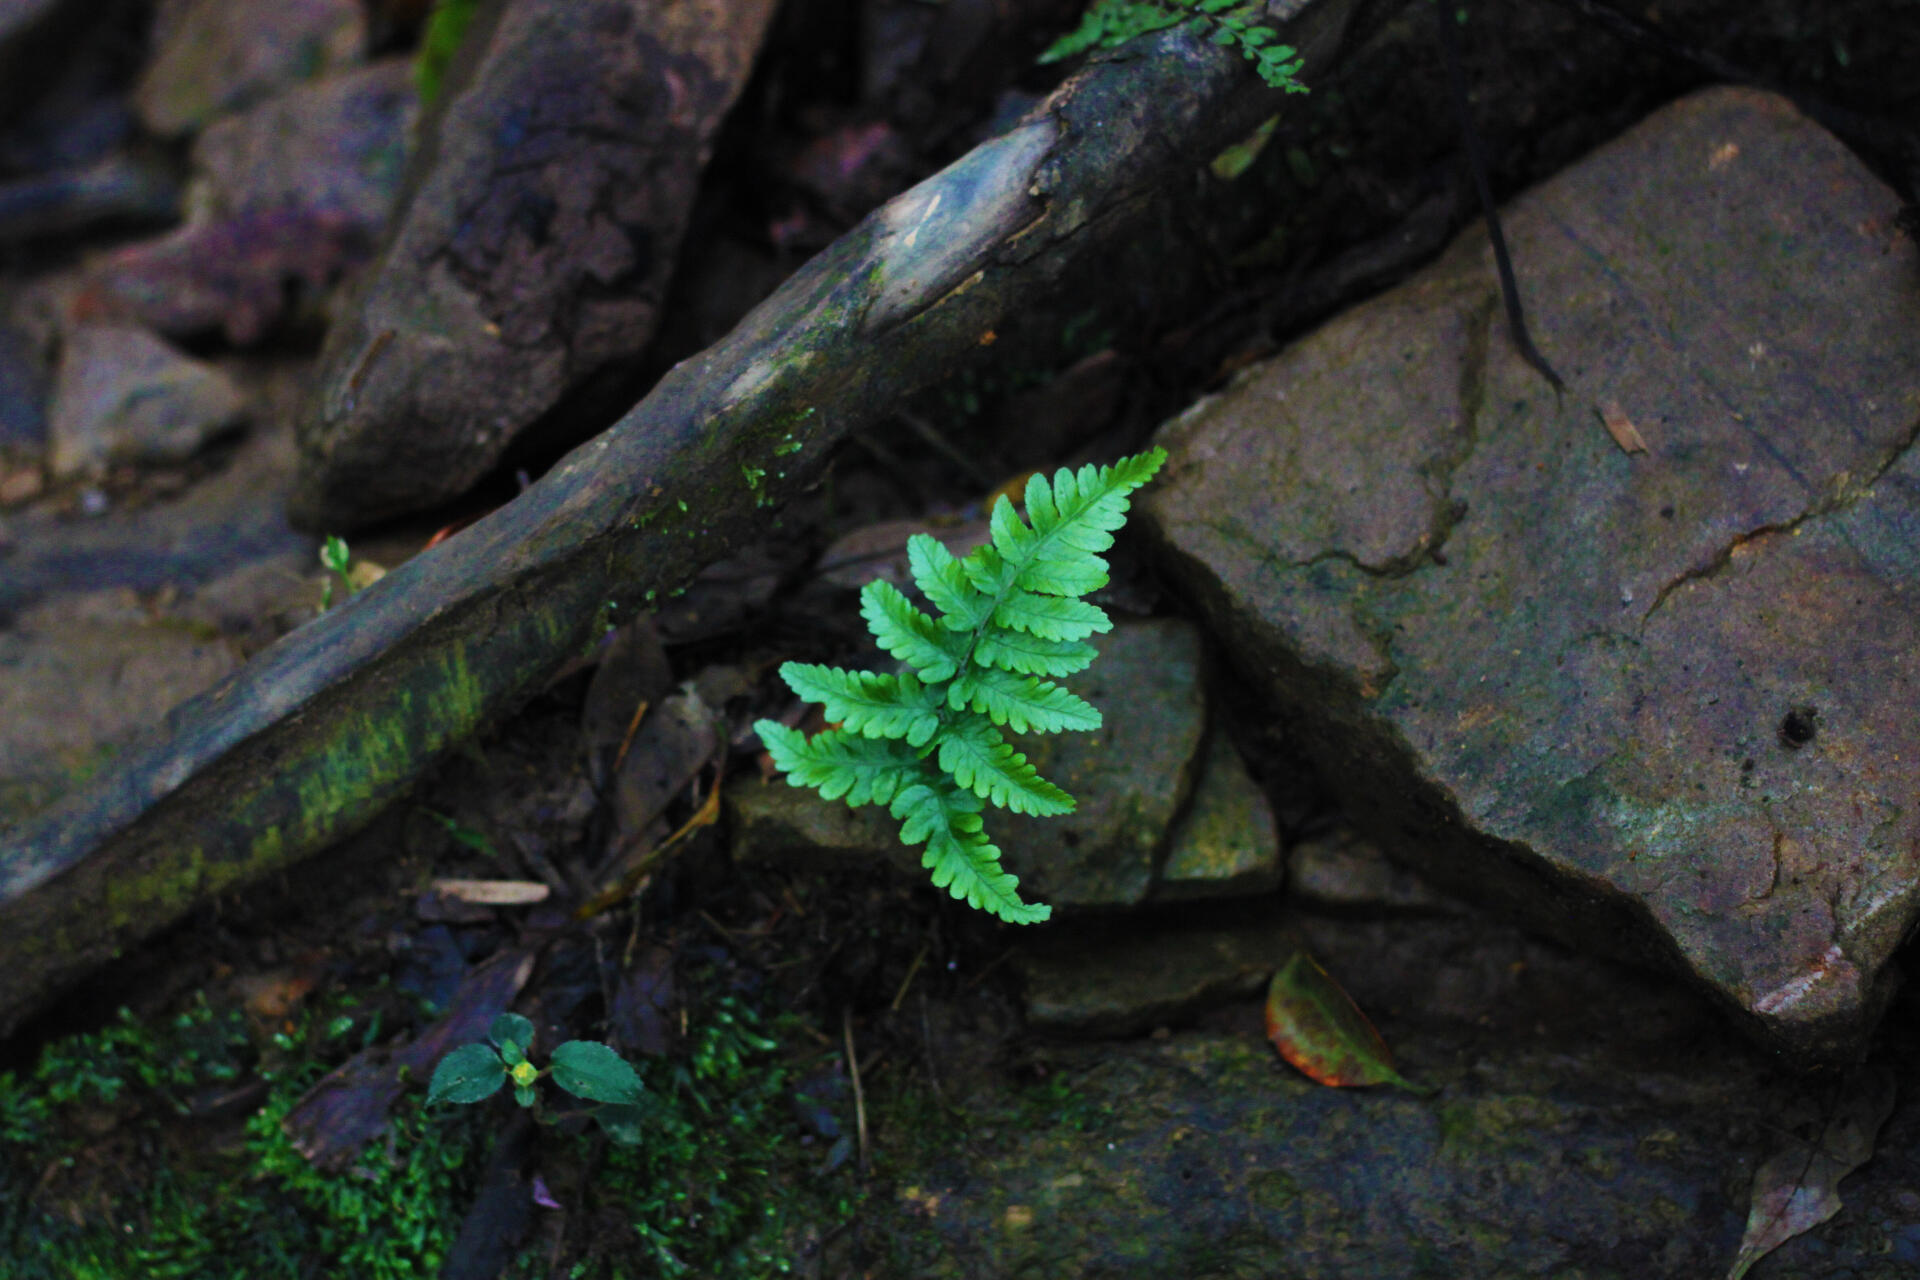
(927, 741)
(1109, 24)
(1050, 617)
(934, 652)
(942, 579)
(870, 704)
(962, 859)
(837, 763)
(1028, 654)
(1021, 703)
(974, 754)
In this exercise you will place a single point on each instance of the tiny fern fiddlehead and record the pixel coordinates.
(926, 742)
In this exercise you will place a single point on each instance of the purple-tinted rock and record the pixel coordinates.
(296, 191)
(1662, 702)
(336, 145)
(216, 56)
(230, 277)
(123, 395)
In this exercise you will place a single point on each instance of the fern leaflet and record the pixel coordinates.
(1109, 24)
(926, 741)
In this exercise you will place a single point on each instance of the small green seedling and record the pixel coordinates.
(334, 558)
(446, 28)
(926, 742)
(586, 1069)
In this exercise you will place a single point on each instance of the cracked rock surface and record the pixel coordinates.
(1661, 701)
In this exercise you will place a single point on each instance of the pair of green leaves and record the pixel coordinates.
(584, 1068)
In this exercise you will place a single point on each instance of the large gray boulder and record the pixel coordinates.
(1660, 701)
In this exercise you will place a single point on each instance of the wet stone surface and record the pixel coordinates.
(1658, 701)
(1587, 1124)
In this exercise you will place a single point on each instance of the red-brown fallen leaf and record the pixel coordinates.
(1799, 1189)
(1321, 1032)
(273, 995)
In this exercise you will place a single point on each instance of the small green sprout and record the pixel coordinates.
(586, 1069)
(334, 558)
(446, 28)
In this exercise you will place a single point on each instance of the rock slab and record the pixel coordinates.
(1638, 661)
(125, 396)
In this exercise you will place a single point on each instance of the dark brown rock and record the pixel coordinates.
(1117, 984)
(337, 144)
(536, 248)
(1226, 844)
(1658, 701)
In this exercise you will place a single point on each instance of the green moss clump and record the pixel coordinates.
(104, 1175)
(100, 1176)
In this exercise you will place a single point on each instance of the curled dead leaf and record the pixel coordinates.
(494, 893)
(1322, 1034)
(1621, 428)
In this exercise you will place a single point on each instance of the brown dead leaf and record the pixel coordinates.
(641, 1014)
(1321, 1032)
(364, 573)
(634, 672)
(22, 485)
(1621, 428)
(1799, 1188)
(670, 748)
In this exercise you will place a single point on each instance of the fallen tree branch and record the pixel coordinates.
(316, 735)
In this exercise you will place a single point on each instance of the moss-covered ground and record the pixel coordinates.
(154, 1148)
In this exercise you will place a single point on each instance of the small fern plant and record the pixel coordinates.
(926, 741)
(1108, 24)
